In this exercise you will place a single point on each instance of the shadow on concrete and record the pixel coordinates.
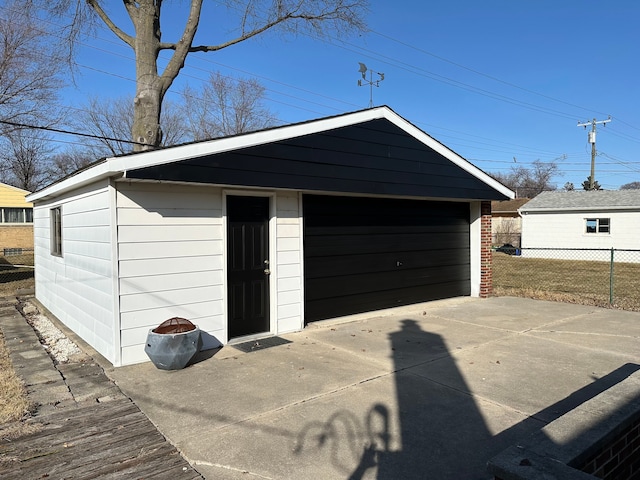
(437, 431)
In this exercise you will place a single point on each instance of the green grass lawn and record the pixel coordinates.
(576, 281)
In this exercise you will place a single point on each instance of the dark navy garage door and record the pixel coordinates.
(363, 254)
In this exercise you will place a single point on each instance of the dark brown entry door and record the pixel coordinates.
(248, 265)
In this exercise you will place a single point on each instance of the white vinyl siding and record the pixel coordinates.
(77, 287)
(170, 252)
(568, 230)
(288, 264)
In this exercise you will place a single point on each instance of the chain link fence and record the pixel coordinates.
(602, 277)
(16, 269)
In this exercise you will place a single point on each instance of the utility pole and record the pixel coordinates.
(592, 141)
(371, 82)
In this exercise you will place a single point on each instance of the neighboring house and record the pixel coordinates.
(260, 233)
(597, 219)
(506, 222)
(16, 221)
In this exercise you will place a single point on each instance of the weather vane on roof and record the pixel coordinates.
(371, 82)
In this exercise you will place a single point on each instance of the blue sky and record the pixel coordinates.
(492, 80)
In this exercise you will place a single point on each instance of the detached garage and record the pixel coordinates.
(261, 233)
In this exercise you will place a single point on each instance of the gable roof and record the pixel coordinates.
(373, 151)
(582, 200)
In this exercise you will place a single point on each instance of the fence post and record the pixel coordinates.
(611, 279)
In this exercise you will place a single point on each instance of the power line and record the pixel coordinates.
(68, 132)
(592, 141)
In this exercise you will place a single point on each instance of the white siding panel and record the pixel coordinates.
(290, 324)
(289, 284)
(169, 216)
(289, 258)
(154, 197)
(153, 317)
(287, 311)
(148, 250)
(288, 230)
(290, 270)
(174, 281)
(170, 247)
(133, 355)
(290, 297)
(168, 298)
(97, 250)
(88, 233)
(288, 262)
(286, 244)
(567, 230)
(166, 266)
(168, 233)
(77, 287)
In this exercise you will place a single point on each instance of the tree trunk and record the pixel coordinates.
(147, 103)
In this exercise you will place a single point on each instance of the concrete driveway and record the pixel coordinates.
(428, 391)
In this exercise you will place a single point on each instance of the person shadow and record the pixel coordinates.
(434, 429)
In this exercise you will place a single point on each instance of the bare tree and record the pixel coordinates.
(254, 17)
(29, 68)
(225, 106)
(110, 123)
(630, 186)
(24, 158)
(62, 164)
(529, 182)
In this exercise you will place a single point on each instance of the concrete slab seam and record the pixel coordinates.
(227, 467)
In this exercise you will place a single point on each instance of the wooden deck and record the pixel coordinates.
(98, 441)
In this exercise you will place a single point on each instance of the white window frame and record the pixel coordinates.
(602, 225)
(56, 231)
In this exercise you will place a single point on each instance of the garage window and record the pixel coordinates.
(597, 225)
(56, 231)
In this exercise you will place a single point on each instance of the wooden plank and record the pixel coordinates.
(107, 440)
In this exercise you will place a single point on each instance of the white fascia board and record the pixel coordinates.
(85, 177)
(447, 153)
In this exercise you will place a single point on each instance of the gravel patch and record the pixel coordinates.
(56, 343)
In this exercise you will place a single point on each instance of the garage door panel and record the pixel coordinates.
(376, 282)
(346, 305)
(378, 262)
(368, 253)
(400, 242)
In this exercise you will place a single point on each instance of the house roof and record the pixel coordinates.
(508, 206)
(594, 200)
(373, 151)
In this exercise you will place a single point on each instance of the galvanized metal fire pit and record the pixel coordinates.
(173, 343)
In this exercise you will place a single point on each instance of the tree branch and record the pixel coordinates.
(182, 47)
(128, 39)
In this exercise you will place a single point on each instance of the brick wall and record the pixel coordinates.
(16, 236)
(618, 459)
(486, 278)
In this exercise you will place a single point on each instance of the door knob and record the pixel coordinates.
(267, 271)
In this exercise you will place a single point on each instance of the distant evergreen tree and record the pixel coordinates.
(587, 184)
